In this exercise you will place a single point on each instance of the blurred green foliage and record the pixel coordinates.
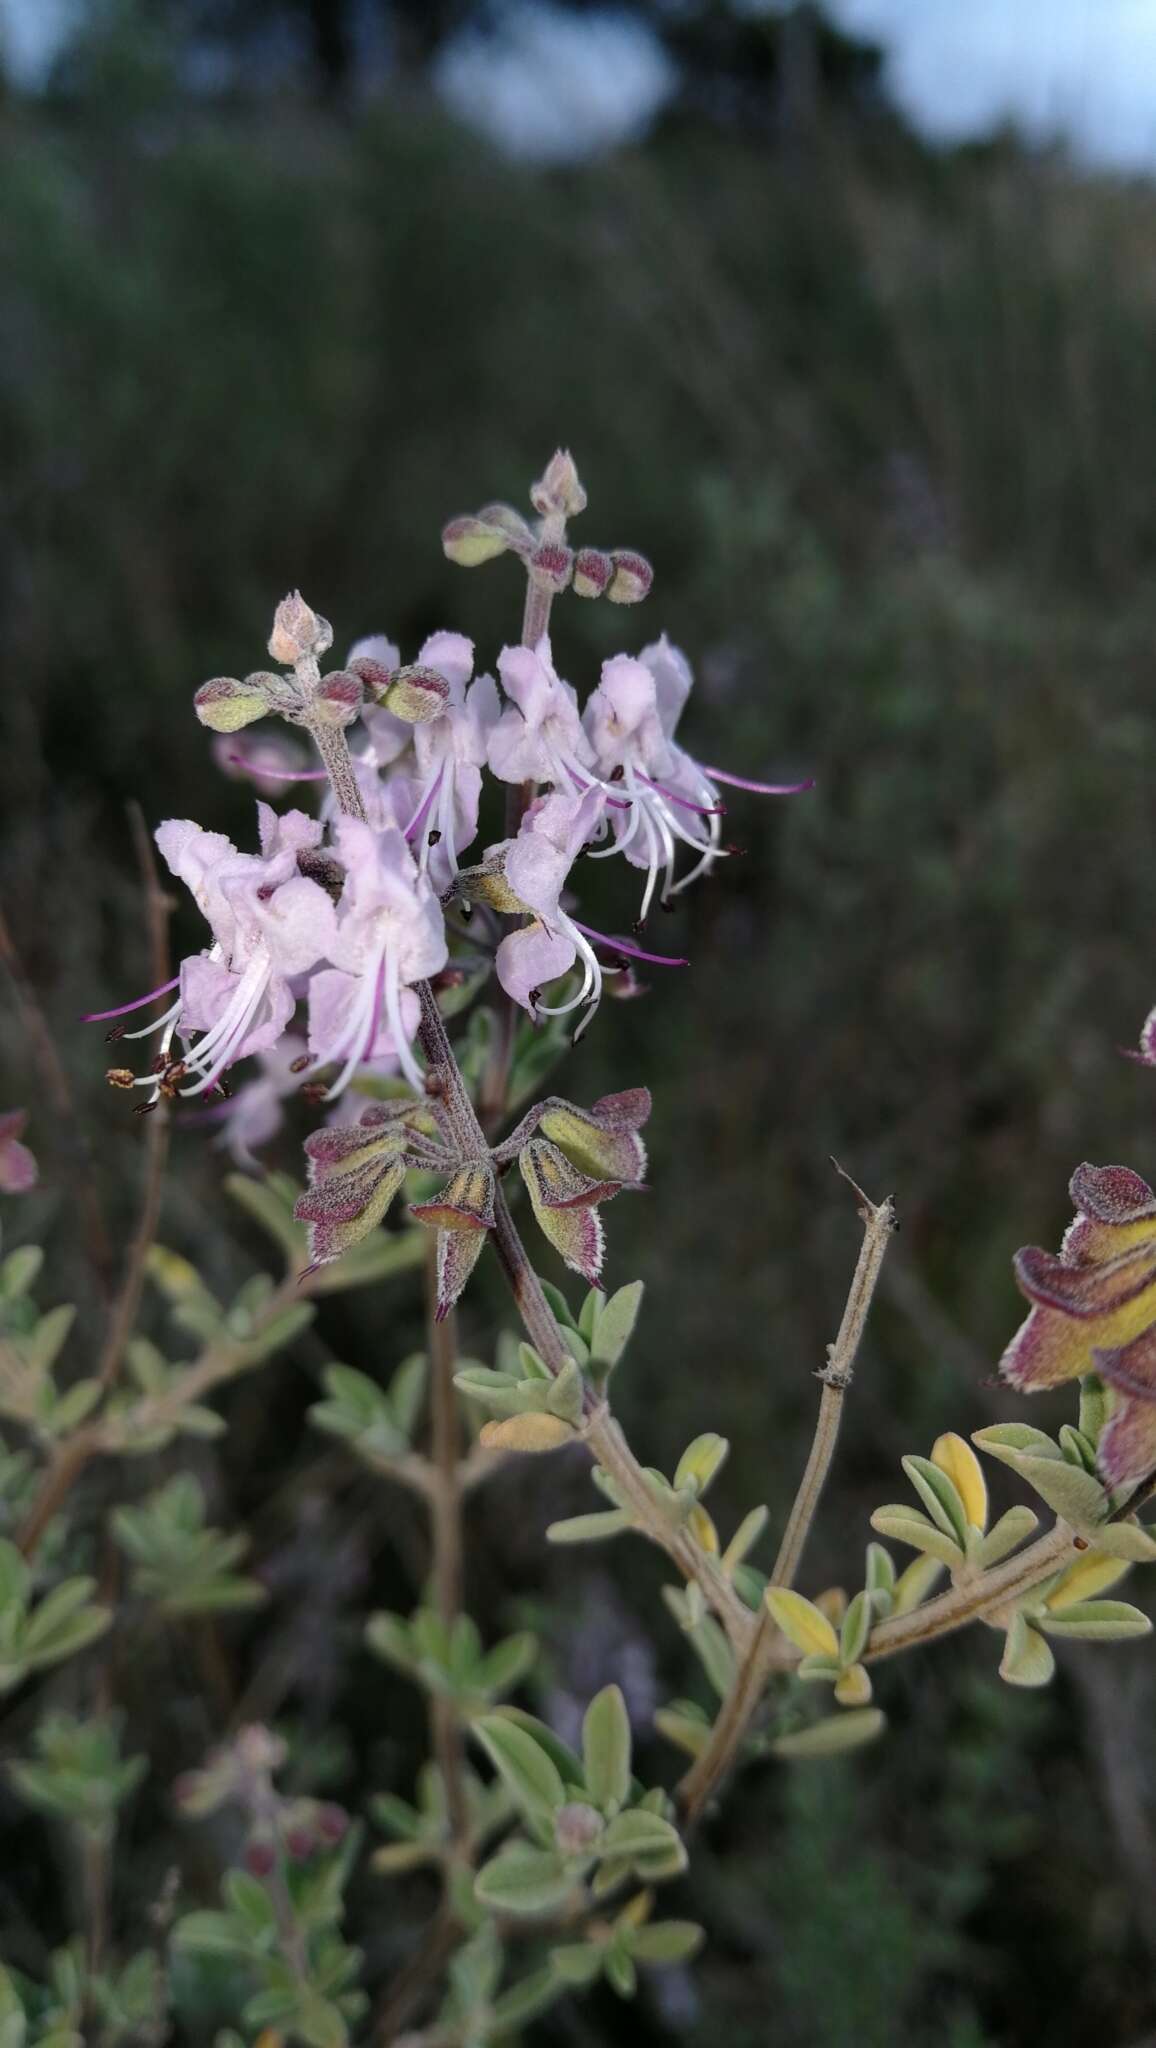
(883, 424)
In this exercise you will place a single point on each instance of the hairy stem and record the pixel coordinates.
(446, 1523)
(738, 1709)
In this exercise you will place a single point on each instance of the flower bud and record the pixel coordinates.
(632, 577)
(576, 1828)
(260, 1856)
(592, 572)
(339, 698)
(551, 566)
(298, 631)
(300, 1842)
(470, 541)
(512, 524)
(225, 705)
(416, 694)
(332, 1822)
(559, 489)
(374, 674)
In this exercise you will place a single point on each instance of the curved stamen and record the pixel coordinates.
(102, 1016)
(360, 1035)
(218, 1048)
(277, 774)
(423, 810)
(628, 948)
(408, 1064)
(762, 788)
(672, 796)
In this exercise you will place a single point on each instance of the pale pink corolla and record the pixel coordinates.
(667, 798)
(390, 933)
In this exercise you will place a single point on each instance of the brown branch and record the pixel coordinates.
(738, 1709)
(445, 1500)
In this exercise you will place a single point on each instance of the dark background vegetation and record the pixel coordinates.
(883, 420)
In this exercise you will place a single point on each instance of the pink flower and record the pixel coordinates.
(665, 797)
(536, 864)
(18, 1168)
(449, 755)
(390, 933)
(539, 736)
(270, 924)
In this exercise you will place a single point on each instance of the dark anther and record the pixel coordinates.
(638, 927)
(144, 1108)
(465, 911)
(120, 1077)
(433, 838)
(314, 1091)
(118, 1031)
(303, 1060)
(161, 1064)
(535, 998)
(668, 904)
(617, 774)
(221, 1087)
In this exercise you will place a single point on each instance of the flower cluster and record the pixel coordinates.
(346, 914)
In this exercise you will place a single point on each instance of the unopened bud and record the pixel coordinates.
(559, 489)
(300, 1842)
(374, 674)
(632, 577)
(511, 523)
(339, 698)
(260, 1856)
(332, 1822)
(592, 572)
(297, 631)
(225, 705)
(416, 694)
(576, 1828)
(470, 541)
(551, 566)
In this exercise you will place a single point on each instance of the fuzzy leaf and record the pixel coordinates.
(1026, 1659)
(906, 1525)
(940, 1496)
(700, 1462)
(528, 1772)
(955, 1457)
(1002, 1538)
(1106, 1621)
(529, 1432)
(593, 1528)
(665, 1942)
(522, 1879)
(606, 1749)
(831, 1737)
(804, 1624)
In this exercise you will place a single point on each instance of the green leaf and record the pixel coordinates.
(804, 1624)
(1075, 1495)
(646, 1841)
(14, 1577)
(613, 1327)
(565, 1395)
(606, 1749)
(577, 1964)
(215, 1934)
(940, 1496)
(522, 1879)
(620, 1972)
(664, 1942)
(833, 1737)
(594, 1528)
(1004, 1535)
(528, 1772)
(856, 1629)
(701, 1461)
(249, 1903)
(505, 1666)
(906, 1525)
(19, 1271)
(524, 2001)
(1100, 1620)
(1008, 1440)
(1026, 1659)
(1125, 1539)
